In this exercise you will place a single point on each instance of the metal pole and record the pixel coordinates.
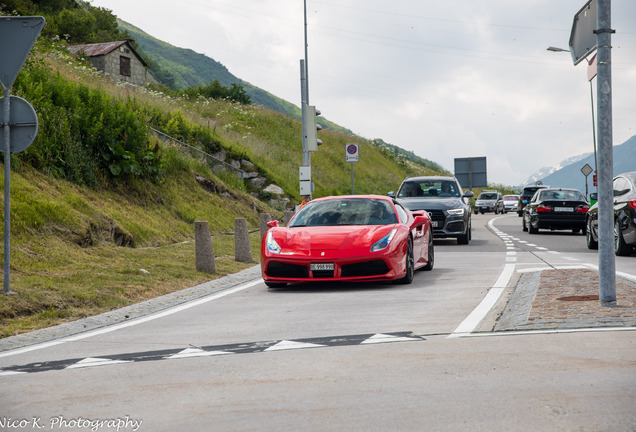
(306, 62)
(606, 258)
(593, 126)
(351, 178)
(303, 95)
(7, 190)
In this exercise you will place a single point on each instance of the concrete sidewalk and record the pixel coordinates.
(566, 299)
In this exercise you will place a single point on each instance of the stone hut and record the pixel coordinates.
(118, 59)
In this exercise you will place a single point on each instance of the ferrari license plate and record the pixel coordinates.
(564, 209)
(321, 266)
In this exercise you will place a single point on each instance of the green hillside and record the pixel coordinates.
(103, 211)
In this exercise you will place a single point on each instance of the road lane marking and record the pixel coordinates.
(212, 351)
(472, 321)
(133, 322)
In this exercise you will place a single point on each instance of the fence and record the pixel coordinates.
(206, 156)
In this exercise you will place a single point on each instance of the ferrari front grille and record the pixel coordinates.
(279, 269)
(366, 268)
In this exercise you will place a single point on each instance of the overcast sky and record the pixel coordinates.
(444, 79)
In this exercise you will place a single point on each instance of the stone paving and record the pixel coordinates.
(566, 299)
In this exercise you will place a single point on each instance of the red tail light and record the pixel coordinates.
(583, 209)
(544, 209)
(632, 203)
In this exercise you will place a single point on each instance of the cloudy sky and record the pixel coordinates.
(444, 79)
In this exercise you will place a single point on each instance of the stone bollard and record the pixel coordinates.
(265, 217)
(287, 215)
(242, 248)
(204, 254)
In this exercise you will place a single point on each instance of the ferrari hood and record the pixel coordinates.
(305, 240)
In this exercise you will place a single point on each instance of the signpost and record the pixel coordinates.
(352, 155)
(586, 170)
(17, 36)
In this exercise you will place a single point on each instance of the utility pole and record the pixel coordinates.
(606, 258)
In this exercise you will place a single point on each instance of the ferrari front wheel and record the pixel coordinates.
(431, 255)
(410, 264)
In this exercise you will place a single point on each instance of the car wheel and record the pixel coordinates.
(431, 255)
(620, 247)
(464, 239)
(410, 264)
(275, 285)
(532, 229)
(589, 238)
(524, 227)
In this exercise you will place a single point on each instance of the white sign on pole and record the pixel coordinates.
(352, 153)
(17, 36)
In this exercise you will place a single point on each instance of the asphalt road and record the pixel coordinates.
(377, 357)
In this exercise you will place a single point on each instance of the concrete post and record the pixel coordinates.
(204, 254)
(242, 248)
(265, 217)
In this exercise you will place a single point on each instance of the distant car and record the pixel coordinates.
(556, 209)
(511, 202)
(489, 201)
(526, 195)
(443, 198)
(624, 187)
(355, 238)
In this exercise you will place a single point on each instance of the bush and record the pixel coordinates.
(85, 135)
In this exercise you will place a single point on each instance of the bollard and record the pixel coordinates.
(265, 217)
(204, 254)
(287, 215)
(242, 248)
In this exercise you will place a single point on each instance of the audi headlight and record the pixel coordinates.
(456, 212)
(272, 246)
(384, 242)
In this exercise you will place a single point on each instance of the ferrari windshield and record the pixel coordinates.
(345, 211)
(429, 189)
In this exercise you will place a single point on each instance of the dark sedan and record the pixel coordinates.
(556, 209)
(444, 200)
(624, 216)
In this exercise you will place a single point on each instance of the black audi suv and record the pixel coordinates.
(444, 200)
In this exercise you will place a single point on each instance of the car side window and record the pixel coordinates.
(404, 217)
(621, 186)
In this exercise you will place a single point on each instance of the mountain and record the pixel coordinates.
(568, 173)
(179, 68)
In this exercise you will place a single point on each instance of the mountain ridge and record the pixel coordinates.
(568, 172)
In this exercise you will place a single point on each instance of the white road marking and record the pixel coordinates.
(134, 322)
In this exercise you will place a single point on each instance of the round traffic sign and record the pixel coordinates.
(23, 124)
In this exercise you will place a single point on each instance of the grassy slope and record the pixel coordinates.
(65, 262)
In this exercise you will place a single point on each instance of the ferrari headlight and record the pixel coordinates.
(271, 244)
(456, 212)
(383, 243)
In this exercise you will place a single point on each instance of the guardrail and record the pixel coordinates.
(165, 136)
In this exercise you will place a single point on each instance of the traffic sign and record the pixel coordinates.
(351, 153)
(582, 37)
(586, 170)
(17, 36)
(23, 124)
